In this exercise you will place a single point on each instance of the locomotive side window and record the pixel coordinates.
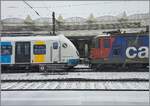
(55, 45)
(39, 49)
(116, 51)
(6, 49)
(106, 43)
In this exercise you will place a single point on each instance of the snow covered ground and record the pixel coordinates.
(75, 98)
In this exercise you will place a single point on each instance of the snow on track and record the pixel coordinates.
(79, 75)
(55, 85)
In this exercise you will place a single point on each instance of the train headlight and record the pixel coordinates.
(64, 45)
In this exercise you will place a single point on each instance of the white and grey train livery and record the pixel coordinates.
(41, 51)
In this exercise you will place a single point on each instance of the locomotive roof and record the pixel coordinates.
(123, 34)
(130, 34)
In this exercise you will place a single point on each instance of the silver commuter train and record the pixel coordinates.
(45, 52)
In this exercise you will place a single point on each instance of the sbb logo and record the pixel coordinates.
(141, 52)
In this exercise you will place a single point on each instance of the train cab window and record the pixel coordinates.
(39, 49)
(97, 43)
(6, 49)
(55, 45)
(106, 43)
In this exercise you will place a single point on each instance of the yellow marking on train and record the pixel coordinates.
(39, 42)
(39, 58)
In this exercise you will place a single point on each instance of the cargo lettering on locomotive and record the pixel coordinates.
(141, 52)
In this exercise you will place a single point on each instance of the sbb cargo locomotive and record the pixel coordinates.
(120, 50)
(35, 52)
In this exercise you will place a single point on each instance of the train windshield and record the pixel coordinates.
(96, 42)
(39, 49)
(6, 49)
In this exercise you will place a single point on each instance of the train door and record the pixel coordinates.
(55, 52)
(22, 52)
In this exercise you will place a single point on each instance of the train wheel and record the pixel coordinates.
(69, 68)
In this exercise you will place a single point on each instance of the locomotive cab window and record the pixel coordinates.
(106, 43)
(97, 43)
(39, 49)
(6, 49)
(55, 45)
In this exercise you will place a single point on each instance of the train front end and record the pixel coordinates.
(69, 53)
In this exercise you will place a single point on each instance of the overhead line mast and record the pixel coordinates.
(53, 20)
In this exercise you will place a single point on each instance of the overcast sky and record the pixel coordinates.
(18, 9)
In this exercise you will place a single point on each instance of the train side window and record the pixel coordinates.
(106, 43)
(55, 45)
(39, 49)
(18, 49)
(27, 49)
(6, 49)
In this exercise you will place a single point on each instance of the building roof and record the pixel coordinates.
(106, 18)
(13, 21)
(138, 16)
(42, 21)
(75, 19)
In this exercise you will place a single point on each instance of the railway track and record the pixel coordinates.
(76, 85)
(76, 81)
(78, 76)
(82, 69)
